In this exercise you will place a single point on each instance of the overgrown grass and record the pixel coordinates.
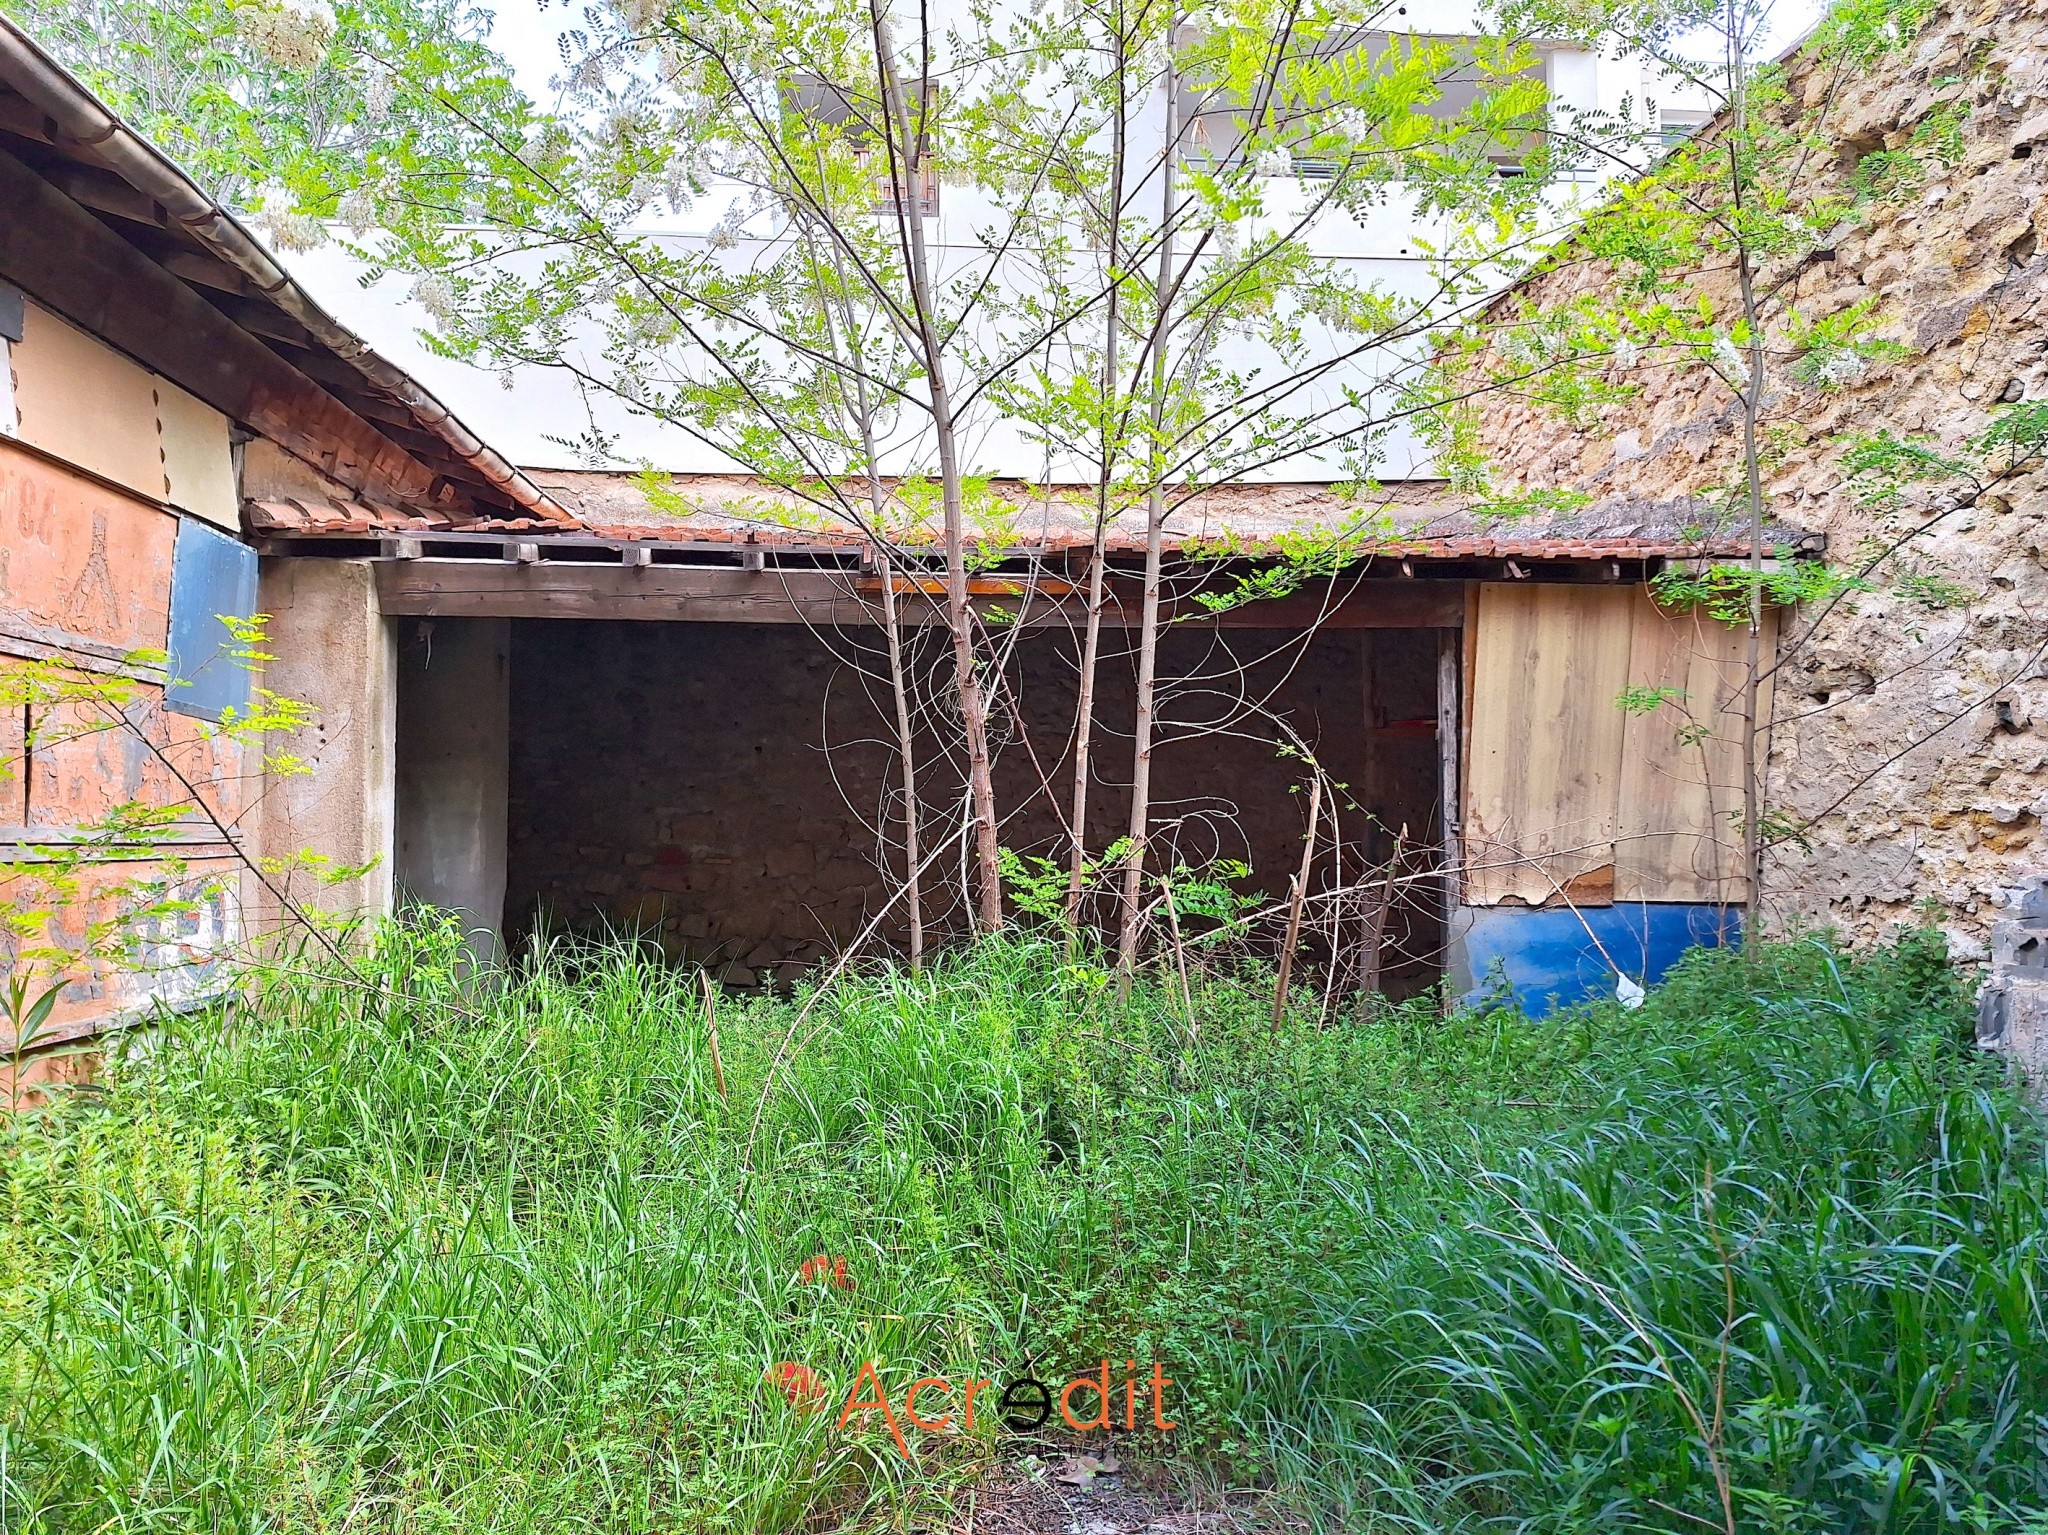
(348, 1257)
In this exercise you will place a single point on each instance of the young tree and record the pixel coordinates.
(827, 132)
(1224, 345)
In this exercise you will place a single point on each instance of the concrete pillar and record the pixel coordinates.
(454, 715)
(335, 652)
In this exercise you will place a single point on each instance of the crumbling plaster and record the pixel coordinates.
(1913, 736)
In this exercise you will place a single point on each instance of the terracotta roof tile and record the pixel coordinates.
(1421, 520)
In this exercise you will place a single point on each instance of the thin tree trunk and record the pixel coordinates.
(1752, 407)
(1155, 538)
(1180, 957)
(959, 618)
(913, 875)
(913, 893)
(1084, 725)
(1091, 642)
(1300, 894)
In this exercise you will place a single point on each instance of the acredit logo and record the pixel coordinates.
(1024, 1403)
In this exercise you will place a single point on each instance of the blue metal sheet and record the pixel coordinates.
(211, 574)
(1549, 958)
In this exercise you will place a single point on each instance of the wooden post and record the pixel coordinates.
(1308, 853)
(1450, 665)
(1180, 956)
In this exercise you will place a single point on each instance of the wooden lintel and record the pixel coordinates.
(444, 588)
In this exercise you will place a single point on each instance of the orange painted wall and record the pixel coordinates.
(85, 578)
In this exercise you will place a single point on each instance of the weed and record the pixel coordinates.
(1771, 1248)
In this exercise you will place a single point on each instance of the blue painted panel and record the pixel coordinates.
(1548, 958)
(211, 574)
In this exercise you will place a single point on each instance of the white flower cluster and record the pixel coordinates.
(1833, 367)
(1730, 359)
(286, 228)
(434, 294)
(358, 210)
(289, 36)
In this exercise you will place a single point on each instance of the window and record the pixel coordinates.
(1674, 127)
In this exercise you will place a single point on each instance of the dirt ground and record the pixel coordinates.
(1061, 1494)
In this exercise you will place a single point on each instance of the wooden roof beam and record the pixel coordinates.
(62, 256)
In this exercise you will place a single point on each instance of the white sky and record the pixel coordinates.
(527, 34)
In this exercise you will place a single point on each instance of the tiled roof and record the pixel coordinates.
(1423, 520)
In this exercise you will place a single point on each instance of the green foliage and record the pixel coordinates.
(302, 112)
(1297, 558)
(1037, 885)
(1838, 348)
(1887, 471)
(1933, 592)
(1723, 589)
(1889, 176)
(1862, 32)
(1881, 467)
(1206, 895)
(1647, 700)
(2018, 436)
(100, 893)
(1542, 501)
(407, 1256)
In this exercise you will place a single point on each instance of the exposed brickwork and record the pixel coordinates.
(676, 778)
(1960, 272)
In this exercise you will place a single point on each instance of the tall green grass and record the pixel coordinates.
(384, 1255)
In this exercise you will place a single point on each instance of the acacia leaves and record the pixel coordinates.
(303, 113)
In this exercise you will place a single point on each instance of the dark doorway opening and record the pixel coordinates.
(731, 790)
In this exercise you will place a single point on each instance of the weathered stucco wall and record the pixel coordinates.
(1912, 722)
(336, 652)
(85, 580)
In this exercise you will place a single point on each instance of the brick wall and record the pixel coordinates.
(719, 784)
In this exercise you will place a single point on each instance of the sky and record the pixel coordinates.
(528, 417)
(526, 32)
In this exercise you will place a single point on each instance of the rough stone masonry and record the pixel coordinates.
(1911, 728)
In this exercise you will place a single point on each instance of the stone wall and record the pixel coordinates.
(719, 786)
(1912, 724)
